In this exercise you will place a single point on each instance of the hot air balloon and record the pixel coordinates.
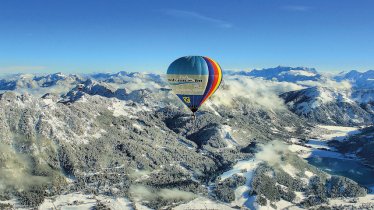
(194, 79)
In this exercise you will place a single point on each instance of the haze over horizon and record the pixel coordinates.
(95, 36)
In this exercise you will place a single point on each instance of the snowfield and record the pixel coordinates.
(339, 132)
(203, 203)
(318, 147)
(244, 168)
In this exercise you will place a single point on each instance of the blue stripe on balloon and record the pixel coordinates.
(193, 65)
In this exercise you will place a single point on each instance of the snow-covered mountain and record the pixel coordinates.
(359, 80)
(281, 73)
(126, 139)
(327, 106)
(345, 99)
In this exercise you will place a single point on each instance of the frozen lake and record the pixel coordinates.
(352, 169)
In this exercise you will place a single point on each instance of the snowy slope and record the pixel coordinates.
(326, 105)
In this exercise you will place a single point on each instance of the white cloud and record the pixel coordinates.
(15, 170)
(328, 83)
(261, 92)
(198, 16)
(273, 152)
(148, 193)
(142, 192)
(40, 91)
(175, 194)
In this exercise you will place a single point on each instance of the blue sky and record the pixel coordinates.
(147, 35)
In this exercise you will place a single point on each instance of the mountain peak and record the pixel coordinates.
(359, 80)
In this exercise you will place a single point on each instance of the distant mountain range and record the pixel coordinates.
(30, 81)
(360, 80)
(317, 101)
(281, 73)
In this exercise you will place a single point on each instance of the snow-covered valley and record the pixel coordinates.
(316, 148)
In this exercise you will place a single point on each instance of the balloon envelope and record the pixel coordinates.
(194, 79)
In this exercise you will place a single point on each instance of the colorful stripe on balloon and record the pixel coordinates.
(215, 78)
